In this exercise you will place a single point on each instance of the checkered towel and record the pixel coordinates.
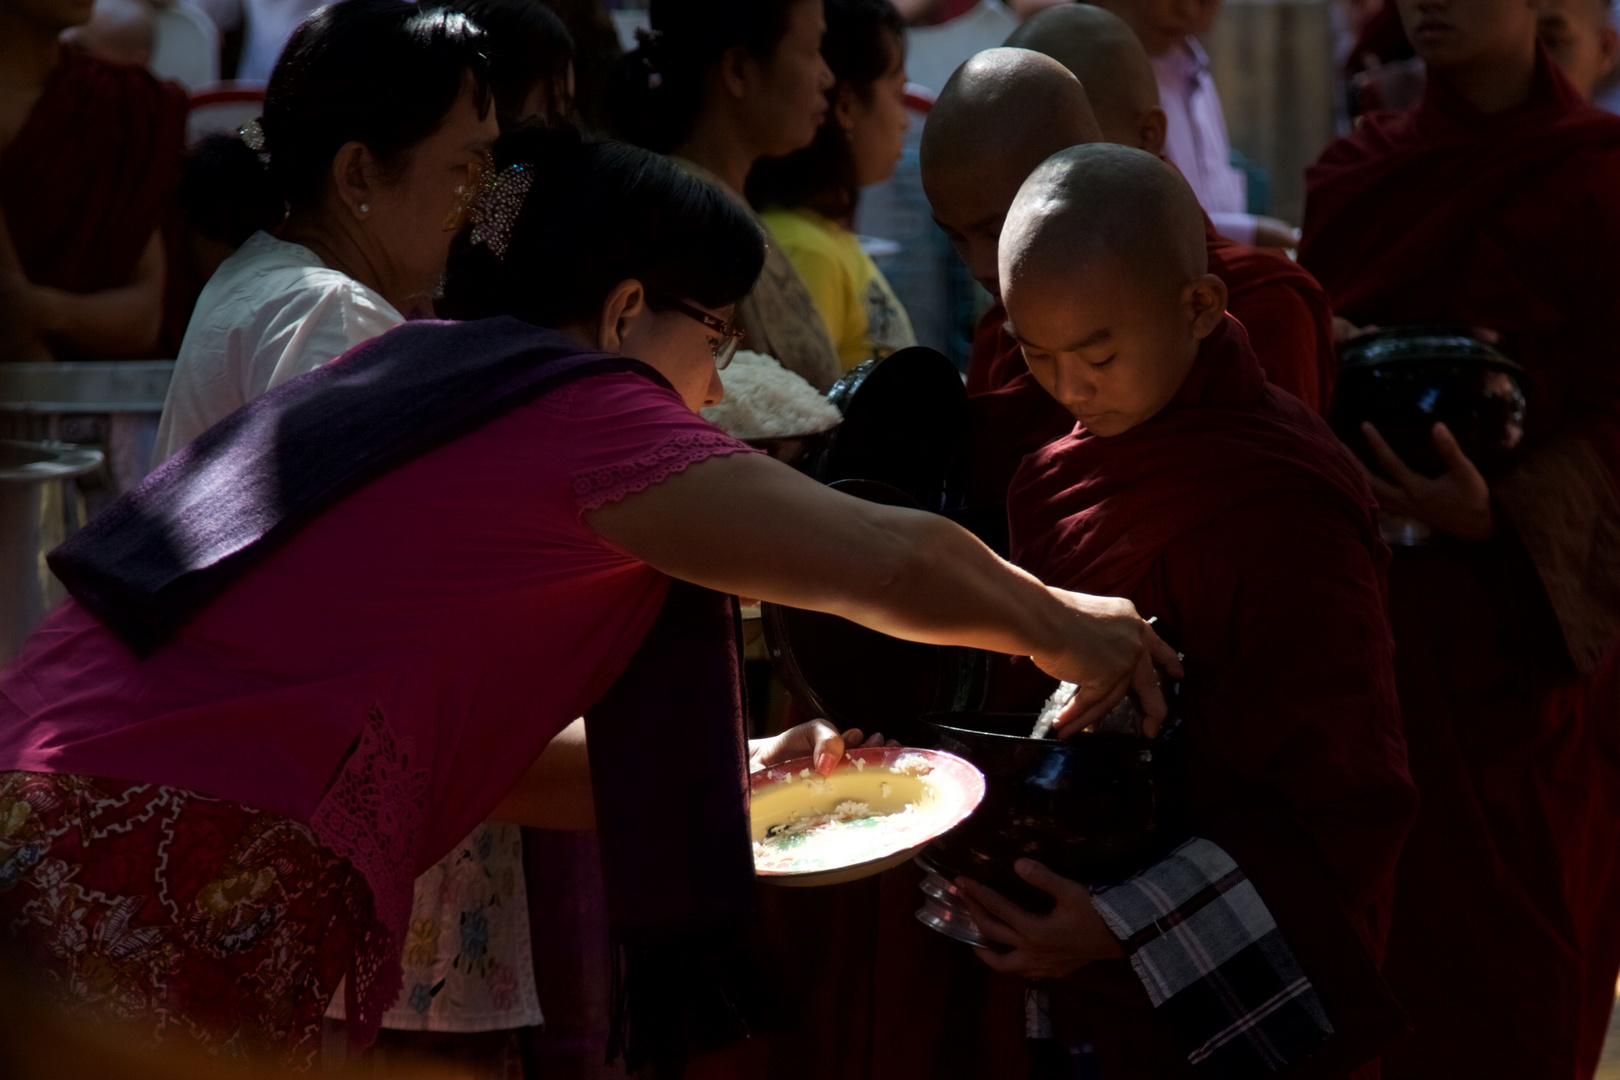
(1213, 962)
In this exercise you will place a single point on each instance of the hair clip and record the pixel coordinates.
(252, 136)
(497, 206)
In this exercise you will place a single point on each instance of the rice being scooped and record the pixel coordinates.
(764, 400)
(1124, 718)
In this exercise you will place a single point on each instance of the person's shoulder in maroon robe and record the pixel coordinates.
(1286, 313)
(1505, 947)
(92, 174)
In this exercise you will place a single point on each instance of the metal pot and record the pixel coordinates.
(35, 515)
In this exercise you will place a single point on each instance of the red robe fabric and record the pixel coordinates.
(91, 175)
(1285, 311)
(1506, 935)
(1237, 518)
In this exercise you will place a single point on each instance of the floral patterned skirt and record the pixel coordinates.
(196, 919)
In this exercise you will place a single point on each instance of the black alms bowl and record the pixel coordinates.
(1094, 808)
(1404, 381)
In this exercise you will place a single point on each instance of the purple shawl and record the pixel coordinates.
(668, 756)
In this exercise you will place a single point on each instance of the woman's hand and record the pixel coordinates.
(1459, 502)
(1041, 946)
(1107, 647)
(817, 740)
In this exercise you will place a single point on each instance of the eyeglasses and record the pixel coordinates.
(725, 346)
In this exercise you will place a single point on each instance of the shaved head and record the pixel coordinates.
(1106, 56)
(1001, 114)
(1104, 202)
(1104, 273)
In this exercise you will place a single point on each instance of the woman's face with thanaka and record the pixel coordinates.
(1460, 34)
(1111, 344)
(407, 212)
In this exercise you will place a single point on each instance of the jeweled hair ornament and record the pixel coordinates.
(252, 135)
(499, 201)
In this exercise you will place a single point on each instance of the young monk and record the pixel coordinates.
(1493, 206)
(1227, 508)
(1003, 113)
(1284, 309)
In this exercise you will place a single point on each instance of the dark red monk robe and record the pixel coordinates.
(91, 175)
(1237, 519)
(1506, 939)
(1286, 313)
(1290, 326)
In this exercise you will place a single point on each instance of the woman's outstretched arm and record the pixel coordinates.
(749, 525)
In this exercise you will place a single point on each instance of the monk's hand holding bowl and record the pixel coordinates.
(1109, 649)
(1459, 502)
(817, 740)
(1048, 946)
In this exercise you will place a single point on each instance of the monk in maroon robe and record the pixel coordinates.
(980, 144)
(1285, 311)
(1496, 205)
(1226, 507)
(93, 262)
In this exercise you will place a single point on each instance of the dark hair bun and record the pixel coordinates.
(226, 192)
(597, 214)
(657, 90)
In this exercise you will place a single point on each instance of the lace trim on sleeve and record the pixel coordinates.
(596, 488)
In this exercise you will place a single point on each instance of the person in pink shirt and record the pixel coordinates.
(296, 671)
(1195, 132)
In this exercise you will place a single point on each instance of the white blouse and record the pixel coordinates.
(271, 312)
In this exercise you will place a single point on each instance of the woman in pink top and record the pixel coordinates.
(297, 670)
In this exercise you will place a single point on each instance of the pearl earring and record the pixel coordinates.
(365, 208)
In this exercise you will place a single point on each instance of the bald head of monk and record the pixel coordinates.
(1106, 56)
(1106, 281)
(1001, 114)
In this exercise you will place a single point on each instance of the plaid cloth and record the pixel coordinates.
(1214, 964)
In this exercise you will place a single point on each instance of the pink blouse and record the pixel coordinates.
(391, 671)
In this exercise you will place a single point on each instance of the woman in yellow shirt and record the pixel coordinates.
(807, 199)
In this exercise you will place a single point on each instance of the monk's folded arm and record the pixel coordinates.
(124, 319)
(749, 525)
